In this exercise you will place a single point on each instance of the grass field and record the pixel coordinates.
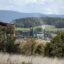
(35, 27)
(22, 29)
(46, 27)
(20, 59)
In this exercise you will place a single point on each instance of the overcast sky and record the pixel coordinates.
(34, 6)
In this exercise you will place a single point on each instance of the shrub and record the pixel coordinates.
(56, 47)
(27, 46)
(39, 48)
(11, 47)
(7, 42)
(31, 47)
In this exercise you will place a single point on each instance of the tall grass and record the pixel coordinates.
(20, 59)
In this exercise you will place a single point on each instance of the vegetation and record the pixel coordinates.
(31, 47)
(19, 59)
(22, 29)
(29, 22)
(51, 28)
(11, 47)
(48, 27)
(7, 41)
(26, 63)
(56, 47)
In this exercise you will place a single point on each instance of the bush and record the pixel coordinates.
(11, 47)
(31, 47)
(56, 47)
(39, 49)
(7, 42)
(27, 46)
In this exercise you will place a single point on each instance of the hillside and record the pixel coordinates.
(38, 21)
(8, 15)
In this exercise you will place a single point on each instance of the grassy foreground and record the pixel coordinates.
(20, 59)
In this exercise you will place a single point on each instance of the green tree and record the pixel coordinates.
(56, 46)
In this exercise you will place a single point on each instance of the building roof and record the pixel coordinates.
(5, 24)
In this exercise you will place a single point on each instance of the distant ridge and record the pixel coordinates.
(8, 16)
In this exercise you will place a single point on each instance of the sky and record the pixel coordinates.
(34, 6)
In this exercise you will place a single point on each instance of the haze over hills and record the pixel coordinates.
(7, 15)
(23, 19)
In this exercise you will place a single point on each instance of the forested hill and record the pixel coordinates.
(37, 21)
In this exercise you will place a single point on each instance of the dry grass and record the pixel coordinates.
(37, 40)
(20, 59)
(42, 41)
